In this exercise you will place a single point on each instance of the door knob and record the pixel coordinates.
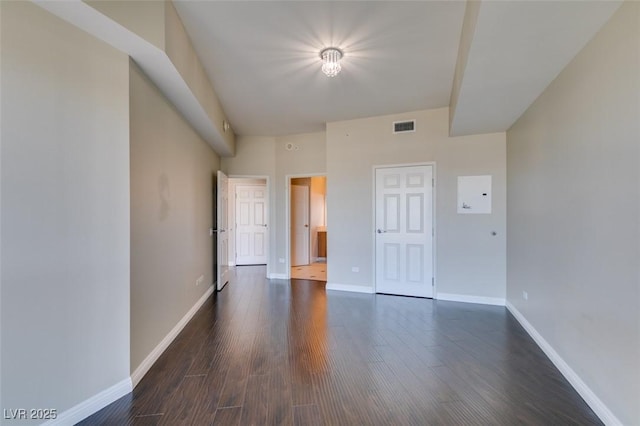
(381, 231)
(306, 226)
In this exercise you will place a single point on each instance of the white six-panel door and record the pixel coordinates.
(251, 225)
(404, 230)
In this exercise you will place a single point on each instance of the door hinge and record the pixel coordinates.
(433, 182)
(433, 282)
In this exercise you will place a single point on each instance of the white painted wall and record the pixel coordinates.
(574, 212)
(470, 261)
(65, 213)
(172, 172)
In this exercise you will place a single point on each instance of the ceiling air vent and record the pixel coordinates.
(404, 126)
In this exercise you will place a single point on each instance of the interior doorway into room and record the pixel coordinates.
(307, 227)
(250, 228)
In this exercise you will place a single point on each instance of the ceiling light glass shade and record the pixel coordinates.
(331, 61)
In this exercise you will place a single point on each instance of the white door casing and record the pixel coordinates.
(404, 230)
(222, 227)
(251, 225)
(300, 225)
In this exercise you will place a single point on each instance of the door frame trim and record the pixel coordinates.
(271, 215)
(287, 216)
(434, 256)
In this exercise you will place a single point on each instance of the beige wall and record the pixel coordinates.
(164, 51)
(185, 59)
(256, 156)
(269, 156)
(347, 154)
(65, 213)
(574, 209)
(470, 261)
(145, 18)
(172, 171)
(471, 11)
(308, 157)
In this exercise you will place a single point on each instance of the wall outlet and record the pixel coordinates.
(200, 280)
(281, 260)
(525, 295)
(355, 269)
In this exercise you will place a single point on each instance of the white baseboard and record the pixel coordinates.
(598, 407)
(470, 299)
(274, 276)
(348, 287)
(92, 405)
(144, 367)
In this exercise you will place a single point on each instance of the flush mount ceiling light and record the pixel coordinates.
(331, 61)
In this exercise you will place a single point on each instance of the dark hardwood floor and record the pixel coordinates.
(282, 353)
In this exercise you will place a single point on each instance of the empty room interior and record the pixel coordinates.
(332, 212)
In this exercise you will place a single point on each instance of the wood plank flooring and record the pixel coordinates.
(290, 353)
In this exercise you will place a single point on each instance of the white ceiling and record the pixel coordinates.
(518, 48)
(262, 58)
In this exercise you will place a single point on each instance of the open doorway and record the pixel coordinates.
(249, 227)
(308, 228)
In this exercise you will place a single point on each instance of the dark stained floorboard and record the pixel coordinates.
(281, 352)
